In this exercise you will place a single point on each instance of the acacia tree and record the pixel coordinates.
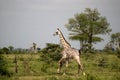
(115, 39)
(11, 48)
(85, 27)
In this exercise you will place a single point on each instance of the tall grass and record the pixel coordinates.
(96, 66)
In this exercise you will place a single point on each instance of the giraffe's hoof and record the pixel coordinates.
(84, 74)
(64, 73)
(58, 71)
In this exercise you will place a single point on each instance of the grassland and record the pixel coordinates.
(99, 66)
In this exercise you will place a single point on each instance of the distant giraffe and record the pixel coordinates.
(33, 48)
(68, 53)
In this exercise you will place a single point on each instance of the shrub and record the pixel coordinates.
(51, 53)
(102, 62)
(91, 77)
(116, 77)
(3, 67)
(115, 65)
(44, 68)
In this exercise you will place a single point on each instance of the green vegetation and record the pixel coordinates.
(3, 66)
(51, 53)
(86, 26)
(99, 66)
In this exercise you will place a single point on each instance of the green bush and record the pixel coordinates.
(3, 67)
(91, 77)
(115, 65)
(115, 77)
(102, 62)
(51, 53)
(44, 68)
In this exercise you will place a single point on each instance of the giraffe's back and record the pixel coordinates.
(72, 52)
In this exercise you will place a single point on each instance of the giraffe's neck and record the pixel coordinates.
(64, 43)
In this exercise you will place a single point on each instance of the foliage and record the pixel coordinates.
(85, 27)
(99, 66)
(102, 62)
(3, 67)
(114, 44)
(51, 52)
(1, 51)
(6, 50)
(115, 37)
(11, 48)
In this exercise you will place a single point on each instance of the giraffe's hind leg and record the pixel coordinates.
(66, 65)
(80, 67)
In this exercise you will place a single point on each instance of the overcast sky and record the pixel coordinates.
(23, 22)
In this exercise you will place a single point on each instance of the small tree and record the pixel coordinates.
(115, 39)
(85, 27)
(11, 48)
(6, 50)
(114, 43)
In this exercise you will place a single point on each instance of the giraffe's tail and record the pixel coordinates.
(80, 52)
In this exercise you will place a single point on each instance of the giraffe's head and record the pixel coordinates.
(57, 32)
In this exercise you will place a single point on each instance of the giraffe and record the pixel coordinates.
(68, 53)
(33, 48)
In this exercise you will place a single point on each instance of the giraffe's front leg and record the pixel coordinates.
(66, 65)
(61, 62)
(60, 65)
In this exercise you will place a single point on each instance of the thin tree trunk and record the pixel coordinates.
(90, 42)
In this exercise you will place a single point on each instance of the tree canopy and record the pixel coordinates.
(115, 39)
(86, 26)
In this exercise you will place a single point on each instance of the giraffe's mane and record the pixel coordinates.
(64, 38)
